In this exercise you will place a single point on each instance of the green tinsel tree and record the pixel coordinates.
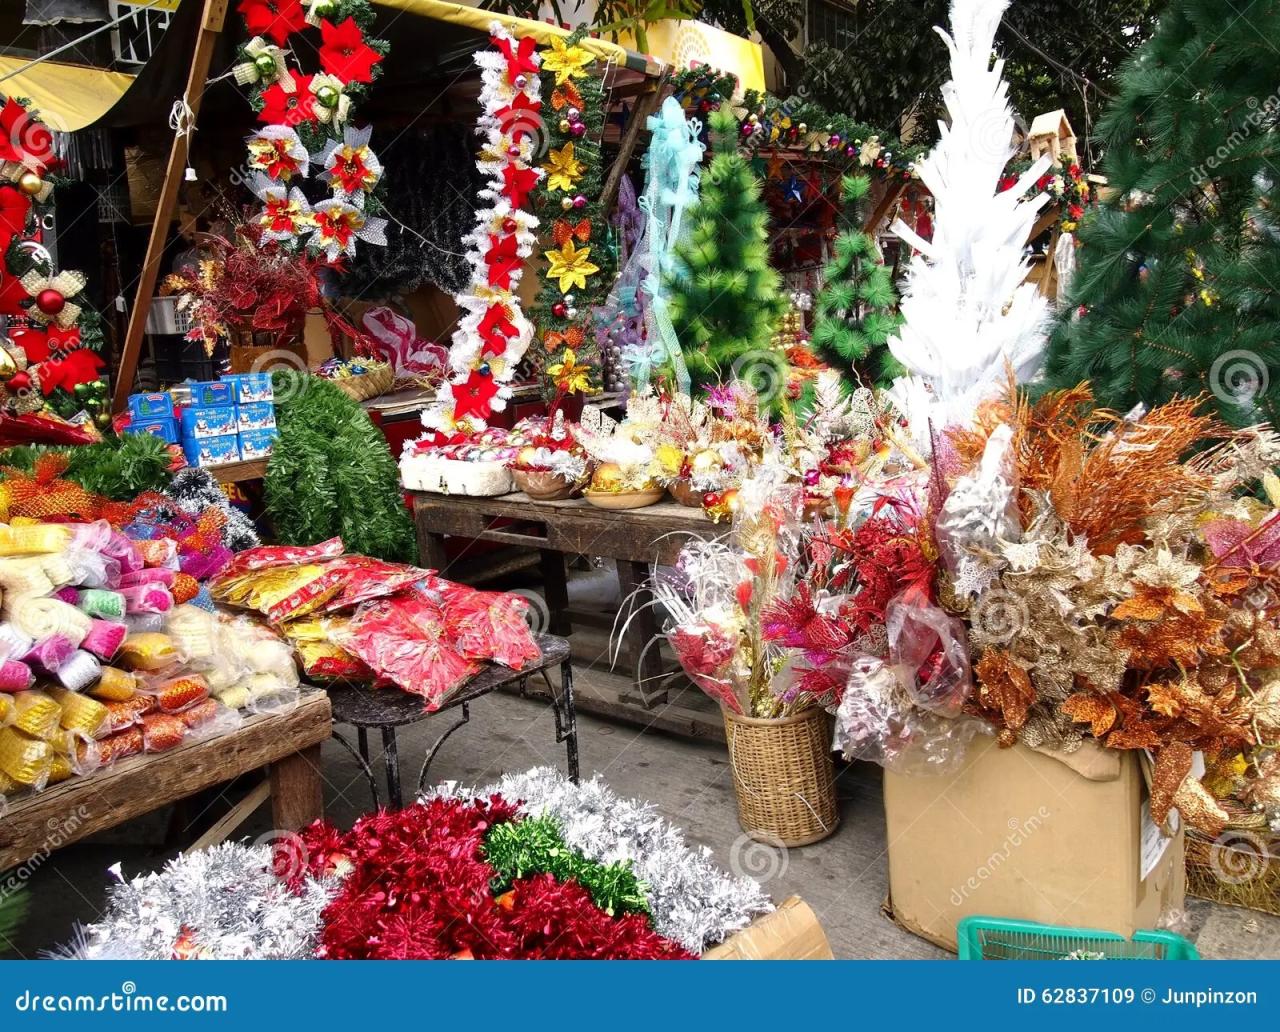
(331, 473)
(853, 315)
(724, 297)
(1175, 289)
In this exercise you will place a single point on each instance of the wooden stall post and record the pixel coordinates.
(211, 22)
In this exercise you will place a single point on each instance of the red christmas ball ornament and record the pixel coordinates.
(559, 309)
(19, 381)
(580, 201)
(50, 301)
(509, 225)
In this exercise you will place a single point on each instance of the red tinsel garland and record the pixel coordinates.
(417, 887)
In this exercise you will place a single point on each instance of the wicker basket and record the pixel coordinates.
(783, 777)
(1240, 868)
(378, 380)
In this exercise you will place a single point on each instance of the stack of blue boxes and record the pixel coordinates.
(227, 420)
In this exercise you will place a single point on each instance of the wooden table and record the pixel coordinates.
(633, 538)
(287, 743)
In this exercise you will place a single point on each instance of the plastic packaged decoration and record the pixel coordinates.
(34, 539)
(41, 618)
(114, 685)
(148, 650)
(15, 676)
(933, 646)
(35, 714)
(50, 654)
(25, 759)
(104, 638)
(80, 671)
(175, 694)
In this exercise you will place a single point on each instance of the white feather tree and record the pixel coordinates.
(968, 312)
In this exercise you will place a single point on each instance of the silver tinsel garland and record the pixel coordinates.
(222, 903)
(692, 899)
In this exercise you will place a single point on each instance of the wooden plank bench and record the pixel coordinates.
(286, 743)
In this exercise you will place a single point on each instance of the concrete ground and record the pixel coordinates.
(844, 878)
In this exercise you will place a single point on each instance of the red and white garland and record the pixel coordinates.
(493, 333)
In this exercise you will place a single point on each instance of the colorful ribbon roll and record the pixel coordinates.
(25, 576)
(80, 671)
(24, 759)
(123, 551)
(175, 695)
(35, 714)
(45, 617)
(114, 685)
(113, 748)
(161, 731)
(15, 676)
(193, 632)
(91, 536)
(98, 602)
(67, 594)
(50, 654)
(147, 598)
(148, 650)
(184, 588)
(80, 714)
(34, 539)
(13, 643)
(149, 575)
(126, 714)
(104, 638)
(142, 622)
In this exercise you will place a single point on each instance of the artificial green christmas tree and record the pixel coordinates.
(1175, 287)
(724, 297)
(854, 316)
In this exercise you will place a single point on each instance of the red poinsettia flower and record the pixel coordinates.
(24, 139)
(78, 367)
(503, 260)
(281, 108)
(495, 329)
(1075, 211)
(518, 183)
(520, 60)
(273, 18)
(344, 52)
(474, 396)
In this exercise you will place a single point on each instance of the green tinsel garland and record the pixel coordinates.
(119, 468)
(517, 849)
(331, 473)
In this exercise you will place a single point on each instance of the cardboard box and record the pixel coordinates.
(791, 932)
(257, 444)
(208, 421)
(151, 406)
(165, 429)
(1062, 839)
(212, 394)
(247, 388)
(212, 451)
(256, 415)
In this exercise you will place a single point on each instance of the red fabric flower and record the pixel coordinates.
(24, 139)
(344, 52)
(474, 396)
(273, 18)
(503, 260)
(78, 367)
(281, 108)
(518, 183)
(495, 329)
(520, 60)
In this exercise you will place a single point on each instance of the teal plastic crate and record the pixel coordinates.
(997, 938)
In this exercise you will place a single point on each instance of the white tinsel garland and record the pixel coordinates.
(510, 139)
(222, 903)
(693, 901)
